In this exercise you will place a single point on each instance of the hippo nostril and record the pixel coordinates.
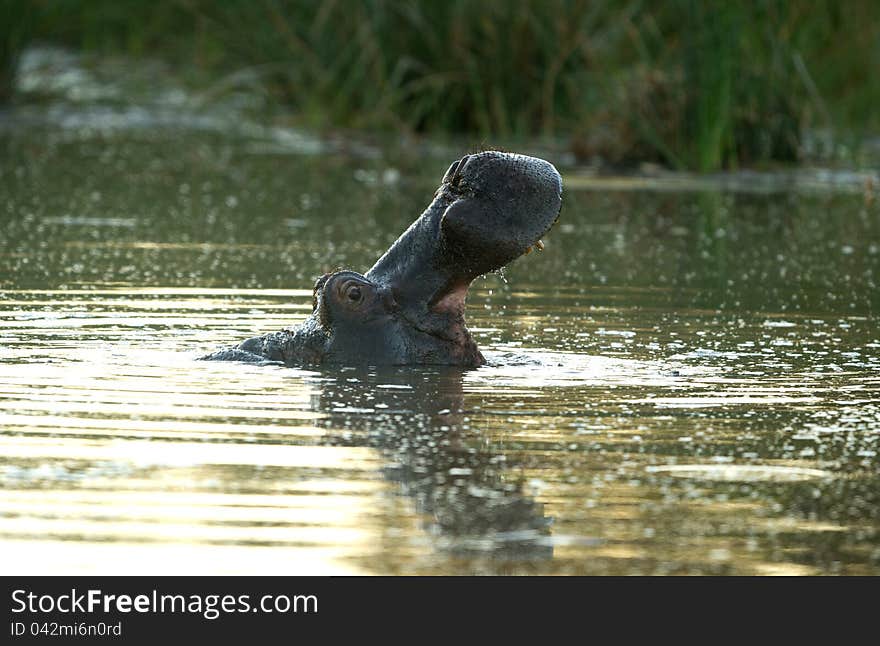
(461, 166)
(453, 175)
(451, 172)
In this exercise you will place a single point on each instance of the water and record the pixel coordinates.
(686, 381)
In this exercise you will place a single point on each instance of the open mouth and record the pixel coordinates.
(490, 209)
(450, 301)
(446, 307)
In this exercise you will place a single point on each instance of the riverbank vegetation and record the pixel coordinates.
(689, 84)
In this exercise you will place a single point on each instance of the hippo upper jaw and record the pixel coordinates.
(490, 209)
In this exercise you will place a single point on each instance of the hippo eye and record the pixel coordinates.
(353, 293)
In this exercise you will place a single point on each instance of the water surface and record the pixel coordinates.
(687, 380)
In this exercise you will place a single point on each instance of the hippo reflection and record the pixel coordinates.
(491, 208)
(468, 495)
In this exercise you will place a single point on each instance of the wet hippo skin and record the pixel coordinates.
(490, 208)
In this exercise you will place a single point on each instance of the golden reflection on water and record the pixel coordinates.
(622, 449)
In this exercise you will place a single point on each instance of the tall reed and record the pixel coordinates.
(700, 84)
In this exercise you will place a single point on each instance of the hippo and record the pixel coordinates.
(408, 309)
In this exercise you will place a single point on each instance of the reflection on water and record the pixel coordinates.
(684, 382)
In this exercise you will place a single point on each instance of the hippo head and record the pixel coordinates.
(491, 208)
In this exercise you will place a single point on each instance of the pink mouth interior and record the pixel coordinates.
(452, 303)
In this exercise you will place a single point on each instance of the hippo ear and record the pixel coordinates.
(472, 228)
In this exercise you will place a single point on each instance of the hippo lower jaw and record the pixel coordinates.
(490, 209)
(445, 323)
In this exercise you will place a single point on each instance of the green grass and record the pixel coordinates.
(696, 84)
